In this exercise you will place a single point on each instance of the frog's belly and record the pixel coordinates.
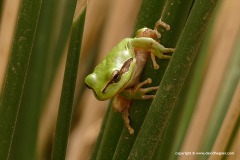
(141, 59)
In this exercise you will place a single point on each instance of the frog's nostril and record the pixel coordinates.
(88, 86)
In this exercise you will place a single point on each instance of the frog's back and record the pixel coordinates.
(117, 56)
(120, 53)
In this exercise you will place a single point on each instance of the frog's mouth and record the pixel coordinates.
(117, 74)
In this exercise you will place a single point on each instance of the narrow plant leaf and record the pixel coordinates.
(176, 15)
(139, 109)
(229, 83)
(161, 108)
(227, 129)
(37, 78)
(186, 101)
(226, 93)
(68, 89)
(100, 135)
(1, 9)
(14, 81)
(149, 13)
(110, 136)
(234, 143)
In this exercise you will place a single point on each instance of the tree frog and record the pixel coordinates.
(117, 76)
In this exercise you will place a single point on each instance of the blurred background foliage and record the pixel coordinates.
(199, 113)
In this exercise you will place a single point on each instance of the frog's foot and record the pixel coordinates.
(153, 58)
(125, 115)
(161, 23)
(161, 56)
(168, 50)
(140, 93)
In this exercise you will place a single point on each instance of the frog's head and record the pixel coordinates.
(110, 77)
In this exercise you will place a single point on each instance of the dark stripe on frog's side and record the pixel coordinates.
(124, 69)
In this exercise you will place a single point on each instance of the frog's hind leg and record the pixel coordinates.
(125, 115)
(121, 104)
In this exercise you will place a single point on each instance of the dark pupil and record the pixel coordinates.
(116, 77)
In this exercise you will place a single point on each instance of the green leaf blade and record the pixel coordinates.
(68, 89)
(160, 111)
(169, 38)
(12, 90)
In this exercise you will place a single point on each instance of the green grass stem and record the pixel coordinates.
(161, 108)
(68, 89)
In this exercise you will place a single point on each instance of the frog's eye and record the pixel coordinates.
(116, 76)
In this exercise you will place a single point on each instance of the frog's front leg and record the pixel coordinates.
(137, 92)
(153, 57)
(123, 100)
(152, 46)
(161, 23)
